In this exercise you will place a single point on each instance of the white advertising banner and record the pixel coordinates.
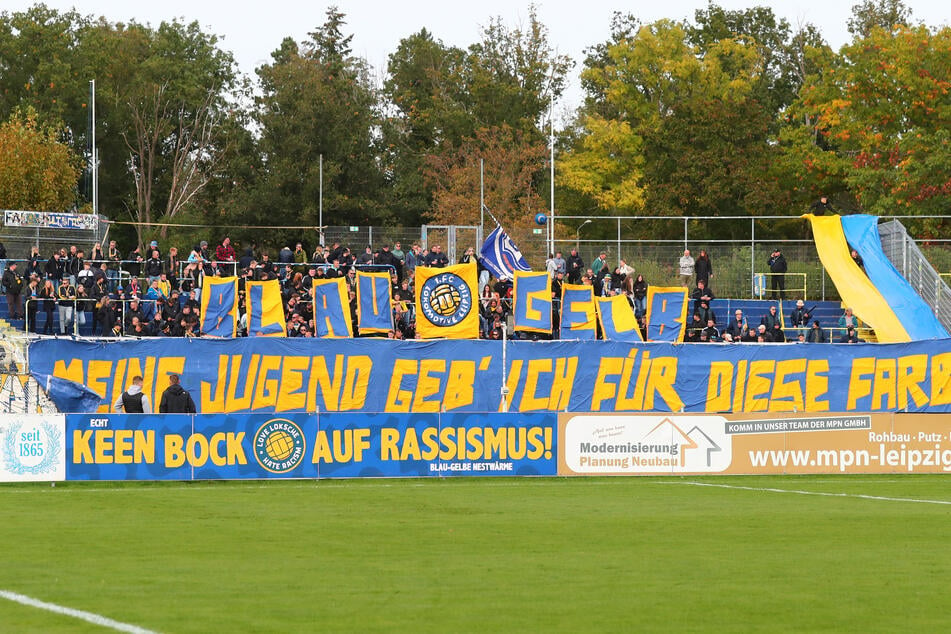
(32, 448)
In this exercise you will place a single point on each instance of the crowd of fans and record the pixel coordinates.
(151, 294)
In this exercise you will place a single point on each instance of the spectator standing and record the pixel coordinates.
(66, 298)
(575, 267)
(224, 254)
(821, 206)
(13, 283)
(703, 267)
(686, 266)
(176, 399)
(777, 268)
(133, 400)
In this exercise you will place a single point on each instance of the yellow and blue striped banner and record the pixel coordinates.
(265, 309)
(374, 303)
(532, 302)
(617, 319)
(578, 320)
(666, 313)
(332, 316)
(219, 306)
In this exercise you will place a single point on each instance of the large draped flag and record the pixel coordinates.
(501, 257)
(446, 302)
(666, 313)
(265, 309)
(532, 302)
(374, 303)
(332, 317)
(617, 319)
(578, 320)
(219, 306)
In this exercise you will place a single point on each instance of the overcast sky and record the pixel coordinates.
(252, 31)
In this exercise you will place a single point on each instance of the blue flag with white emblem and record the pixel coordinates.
(501, 257)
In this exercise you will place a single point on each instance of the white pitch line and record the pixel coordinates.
(89, 617)
(817, 493)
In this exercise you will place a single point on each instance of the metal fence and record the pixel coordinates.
(650, 244)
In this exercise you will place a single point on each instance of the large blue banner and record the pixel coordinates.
(276, 375)
(228, 446)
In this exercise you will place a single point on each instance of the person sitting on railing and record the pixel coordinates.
(135, 260)
(35, 265)
(816, 333)
(701, 293)
(298, 257)
(848, 319)
(154, 267)
(87, 276)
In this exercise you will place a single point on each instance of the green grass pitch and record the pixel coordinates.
(477, 555)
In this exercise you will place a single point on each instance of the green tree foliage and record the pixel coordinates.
(37, 172)
(881, 117)
(318, 99)
(679, 128)
(445, 99)
(884, 14)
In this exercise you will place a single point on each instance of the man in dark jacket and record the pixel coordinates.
(777, 268)
(176, 399)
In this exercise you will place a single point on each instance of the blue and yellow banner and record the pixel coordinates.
(617, 319)
(374, 303)
(219, 306)
(280, 375)
(253, 446)
(578, 320)
(265, 308)
(666, 313)
(332, 316)
(532, 302)
(446, 306)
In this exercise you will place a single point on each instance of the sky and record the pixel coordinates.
(252, 34)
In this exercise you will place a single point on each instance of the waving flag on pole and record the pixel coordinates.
(501, 257)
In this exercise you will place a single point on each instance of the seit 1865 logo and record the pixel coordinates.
(31, 447)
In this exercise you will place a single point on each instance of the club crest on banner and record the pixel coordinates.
(446, 299)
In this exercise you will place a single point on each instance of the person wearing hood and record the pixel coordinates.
(133, 400)
(176, 399)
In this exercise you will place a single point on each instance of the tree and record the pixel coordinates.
(317, 99)
(162, 92)
(885, 14)
(37, 172)
(512, 159)
(443, 98)
(881, 119)
(675, 128)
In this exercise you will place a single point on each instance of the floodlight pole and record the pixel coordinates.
(320, 201)
(551, 121)
(482, 196)
(505, 388)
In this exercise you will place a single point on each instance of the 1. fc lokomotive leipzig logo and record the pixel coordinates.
(445, 299)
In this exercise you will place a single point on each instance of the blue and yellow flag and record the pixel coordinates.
(578, 320)
(532, 302)
(219, 306)
(617, 319)
(332, 316)
(265, 308)
(446, 302)
(666, 313)
(374, 303)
